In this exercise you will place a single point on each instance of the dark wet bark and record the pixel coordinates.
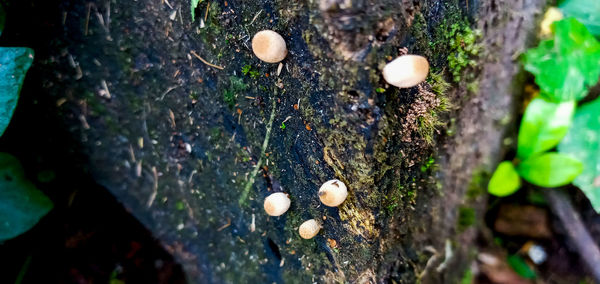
(178, 141)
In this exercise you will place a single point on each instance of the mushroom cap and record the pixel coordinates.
(333, 193)
(269, 46)
(277, 203)
(309, 229)
(406, 71)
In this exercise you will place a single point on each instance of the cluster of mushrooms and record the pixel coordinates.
(403, 72)
(332, 194)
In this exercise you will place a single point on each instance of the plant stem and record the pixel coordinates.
(262, 153)
(560, 204)
(23, 270)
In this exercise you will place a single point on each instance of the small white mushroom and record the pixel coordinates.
(269, 46)
(277, 203)
(406, 71)
(333, 193)
(309, 229)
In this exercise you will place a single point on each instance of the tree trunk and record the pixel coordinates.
(192, 149)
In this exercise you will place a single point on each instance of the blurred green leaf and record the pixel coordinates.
(22, 205)
(14, 63)
(505, 180)
(521, 267)
(467, 277)
(544, 124)
(193, 5)
(550, 169)
(565, 66)
(586, 11)
(583, 142)
(537, 198)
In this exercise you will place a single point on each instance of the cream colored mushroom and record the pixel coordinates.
(309, 229)
(406, 71)
(277, 203)
(333, 193)
(269, 46)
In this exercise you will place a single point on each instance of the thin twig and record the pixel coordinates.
(166, 92)
(206, 13)
(172, 119)
(579, 236)
(108, 17)
(131, 153)
(262, 152)
(101, 20)
(105, 89)
(206, 62)
(23, 270)
(87, 18)
(224, 226)
(154, 187)
(256, 16)
(179, 12)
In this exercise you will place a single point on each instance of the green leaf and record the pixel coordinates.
(586, 11)
(467, 277)
(22, 205)
(14, 62)
(193, 5)
(583, 142)
(550, 169)
(565, 66)
(519, 265)
(505, 180)
(544, 124)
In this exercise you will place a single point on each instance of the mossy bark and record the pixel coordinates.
(178, 141)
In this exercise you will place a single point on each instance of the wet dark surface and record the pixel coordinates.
(87, 238)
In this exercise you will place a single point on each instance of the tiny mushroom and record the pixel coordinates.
(332, 193)
(406, 71)
(269, 46)
(309, 229)
(277, 203)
